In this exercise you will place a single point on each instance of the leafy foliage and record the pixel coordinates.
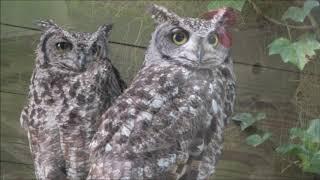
(236, 4)
(307, 141)
(296, 53)
(299, 14)
(307, 148)
(256, 139)
(247, 119)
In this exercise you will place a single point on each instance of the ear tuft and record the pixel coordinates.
(227, 16)
(106, 29)
(161, 14)
(44, 25)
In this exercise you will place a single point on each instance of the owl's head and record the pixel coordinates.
(66, 51)
(193, 41)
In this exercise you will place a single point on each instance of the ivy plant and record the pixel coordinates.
(247, 120)
(305, 146)
(236, 4)
(297, 52)
(304, 143)
(299, 14)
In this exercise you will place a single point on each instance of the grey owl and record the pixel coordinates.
(73, 82)
(169, 123)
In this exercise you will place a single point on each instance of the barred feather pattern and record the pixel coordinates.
(168, 122)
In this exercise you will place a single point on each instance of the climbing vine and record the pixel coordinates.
(295, 51)
(303, 143)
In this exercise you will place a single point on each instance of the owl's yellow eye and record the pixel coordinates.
(64, 46)
(179, 36)
(213, 40)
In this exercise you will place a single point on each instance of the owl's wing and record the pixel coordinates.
(230, 87)
(230, 100)
(44, 147)
(204, 166)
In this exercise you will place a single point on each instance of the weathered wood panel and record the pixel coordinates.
(268, 91)
(259, 89)
(16, 171)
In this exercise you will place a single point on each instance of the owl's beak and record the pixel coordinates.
(200, 53)
(82, 61)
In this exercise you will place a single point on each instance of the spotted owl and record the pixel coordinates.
(169, 123)
(73, 82)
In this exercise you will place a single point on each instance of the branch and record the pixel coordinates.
(258, 11)
(315, 25)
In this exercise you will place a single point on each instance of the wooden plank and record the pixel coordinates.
(11, 106)
(16, 68)
(28, 12)
(16, 171)
(134, 25)
(238, 161)
(15, 152)
(17, 59)
(17, 62)
(127, 59)
(88, 15)
(268, 91)
(236, 153)
(13, 32)
(259, 89)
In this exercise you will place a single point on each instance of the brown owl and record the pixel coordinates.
(169, 123)
(73, 82)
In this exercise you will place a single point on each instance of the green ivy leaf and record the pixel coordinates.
(247, 119)
(314, 166)
(293, 149)
(261, 116)
(299, 14)
(236, 4)
(296, 53)
(278, 45)
(297, 133)
(256, 139)
(314, 130)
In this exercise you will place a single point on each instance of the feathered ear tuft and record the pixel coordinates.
(161, 14)
(226, 16)
(105, 29)
(44, 25)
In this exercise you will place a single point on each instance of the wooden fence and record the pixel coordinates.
(264, 83)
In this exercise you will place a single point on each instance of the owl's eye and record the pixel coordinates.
(179, 36)
(213, 40)
(64, 46)
(95, 49)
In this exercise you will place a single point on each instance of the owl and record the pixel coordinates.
(169, 123)
(73, 82)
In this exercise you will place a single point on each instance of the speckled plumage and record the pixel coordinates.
(169, 123)
(69, 90)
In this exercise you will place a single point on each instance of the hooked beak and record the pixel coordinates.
(82, 61)
(200, 53)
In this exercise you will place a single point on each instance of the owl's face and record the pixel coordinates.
(191, 40)
(72, 51)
